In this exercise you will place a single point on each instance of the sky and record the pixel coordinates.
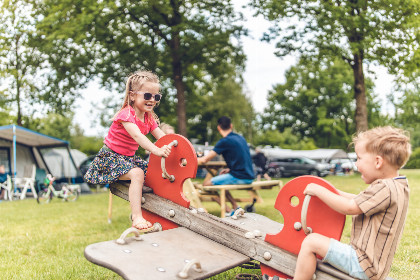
(263, 71)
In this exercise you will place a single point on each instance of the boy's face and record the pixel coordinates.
(367, 163)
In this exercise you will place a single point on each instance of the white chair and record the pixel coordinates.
(28, 181)
(7, 186)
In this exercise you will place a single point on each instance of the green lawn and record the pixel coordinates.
(47, 241)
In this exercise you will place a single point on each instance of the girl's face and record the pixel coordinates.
(138, 97)
(366, 163)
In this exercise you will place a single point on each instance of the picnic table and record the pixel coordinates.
(198, 193)
(213, 167)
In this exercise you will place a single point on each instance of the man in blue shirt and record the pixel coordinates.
(234, 149)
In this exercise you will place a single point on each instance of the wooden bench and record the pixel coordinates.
(198, 193)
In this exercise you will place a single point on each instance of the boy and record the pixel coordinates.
(379, 211)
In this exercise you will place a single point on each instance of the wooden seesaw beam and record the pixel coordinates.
(223, 232)
(168, 206)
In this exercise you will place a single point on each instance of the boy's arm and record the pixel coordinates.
(348, 195)
(339, 203)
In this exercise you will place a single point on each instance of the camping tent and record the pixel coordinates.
(59, 162)
(21, 147)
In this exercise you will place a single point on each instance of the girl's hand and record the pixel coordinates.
(313, 189)
(164, 151)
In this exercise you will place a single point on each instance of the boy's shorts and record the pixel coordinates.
(343, 257)
(228, 179)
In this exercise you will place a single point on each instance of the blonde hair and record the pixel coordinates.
(166, 127)
(134, 83)
(393, 144)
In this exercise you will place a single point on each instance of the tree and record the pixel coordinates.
(316, 101)
(188, 43)
(357, 31)
(407, 112)
(285, 140)
(25, 74)
(55, 125)
(227, 99)
(19, 62)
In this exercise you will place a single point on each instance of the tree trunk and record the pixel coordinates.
(361, 115)
(179, 85)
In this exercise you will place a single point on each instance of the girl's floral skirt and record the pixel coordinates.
(108, 166)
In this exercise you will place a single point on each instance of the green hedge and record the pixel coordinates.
(414, 161)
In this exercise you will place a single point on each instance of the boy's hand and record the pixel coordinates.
(164, 151)
(313, 189)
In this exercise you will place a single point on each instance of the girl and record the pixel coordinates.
(116, 159)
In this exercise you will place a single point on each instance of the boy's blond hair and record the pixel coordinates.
(393, 144)
(166, 128)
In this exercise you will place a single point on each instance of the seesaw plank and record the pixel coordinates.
(226, 233)
(162, 255)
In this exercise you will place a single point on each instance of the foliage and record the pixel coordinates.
(25, 74)
(316, 101)
(414, 161)
(61, 127)
(53, 125)
(87, 144)
(227, 99)
(190, 44)
(407, 109)
(358, 32)
(5, 111)
(285, 140)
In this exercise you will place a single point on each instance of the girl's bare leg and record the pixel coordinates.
(136, 175)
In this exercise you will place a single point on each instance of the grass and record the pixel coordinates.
(47, 241)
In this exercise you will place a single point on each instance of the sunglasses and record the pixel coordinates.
(148, 96)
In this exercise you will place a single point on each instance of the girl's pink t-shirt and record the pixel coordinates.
(118, 138)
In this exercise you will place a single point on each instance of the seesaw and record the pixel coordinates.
(192, 244)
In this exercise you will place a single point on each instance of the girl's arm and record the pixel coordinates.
(158, 133)
(144, 142)
(341, 204)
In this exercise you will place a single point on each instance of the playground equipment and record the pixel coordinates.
(192, 244)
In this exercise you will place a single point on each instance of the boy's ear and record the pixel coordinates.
(379, 161)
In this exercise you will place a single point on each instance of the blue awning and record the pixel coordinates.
(29, 137)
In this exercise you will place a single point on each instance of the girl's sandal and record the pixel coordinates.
(143, 226)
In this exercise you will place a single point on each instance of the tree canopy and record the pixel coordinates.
(24, 71)
(316, 101)
(190, 44)
(358, 32)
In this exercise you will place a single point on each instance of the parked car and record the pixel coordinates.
(296, 166)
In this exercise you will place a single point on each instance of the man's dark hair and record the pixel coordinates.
(224, 122)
